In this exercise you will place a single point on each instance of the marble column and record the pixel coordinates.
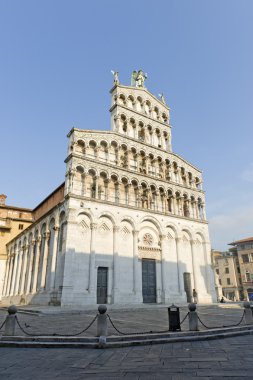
(93, 228)
(116, 273)
(24, 269)
(163, 272)
(136, 274)
(9, 275)
(19, 265)
(45, 261)
(54, 255)
(194, 269)
(29, 268)
(14, 273)
(6, 276)
(37, 253)
(179, 266)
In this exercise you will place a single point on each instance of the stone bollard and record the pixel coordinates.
(193, 317)
(102, 325)
(10, 322)
(247, 313)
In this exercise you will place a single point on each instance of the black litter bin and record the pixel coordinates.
(174, 318)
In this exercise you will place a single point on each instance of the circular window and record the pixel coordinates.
(148, 239)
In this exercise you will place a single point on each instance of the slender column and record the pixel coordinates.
(163, 273)
(139, 188)
(22, 283)
(197, 210)
(117, 156)
(93, 228)
(6, 276)
(179, 267)
(18, 276)
(9, 275)
(106, 182)
(30, 265)
(128, 193)
(36, 265)
(173, 205)
(97, 150)
(53, 261)
(96, 187)
(194, 269)
(203, 211)
(117, 193)
(208, 270)
(117, 122)
(116, 230)
(83, 189)
(45, 260)
(136, 287)
(14, 272)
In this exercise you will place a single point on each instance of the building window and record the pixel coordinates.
(226, 270)
(248, 277)
(238, 270)
(228, 281)
(245, 258)
(20, 226)
(217, 271)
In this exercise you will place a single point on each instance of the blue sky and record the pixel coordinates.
(55, 62)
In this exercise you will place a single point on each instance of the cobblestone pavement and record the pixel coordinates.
(147, 319)
(229, 358)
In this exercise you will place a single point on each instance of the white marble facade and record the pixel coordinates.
(132, 227)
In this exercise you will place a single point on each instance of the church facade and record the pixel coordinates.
(131, 226)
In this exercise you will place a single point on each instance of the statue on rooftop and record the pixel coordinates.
(116, 76)
(138, 78)
(162, 98)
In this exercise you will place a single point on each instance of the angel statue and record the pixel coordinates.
(133, 78)
(138, 78)
(116, 77)
(162, 98)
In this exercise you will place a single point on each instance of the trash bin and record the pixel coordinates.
(174, 318)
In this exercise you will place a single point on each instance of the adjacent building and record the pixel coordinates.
(244, 249)
(127, 226)
(228, 275)
(13, 220)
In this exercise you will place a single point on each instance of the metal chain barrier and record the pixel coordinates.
(234, 325)
(135, 333)
(2, 325)
(55, 334)
(184, 318)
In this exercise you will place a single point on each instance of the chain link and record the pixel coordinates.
(135, 333)
(218, 327)
(55, 334)
(2, 325)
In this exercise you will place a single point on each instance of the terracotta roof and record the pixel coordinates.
(241, 241)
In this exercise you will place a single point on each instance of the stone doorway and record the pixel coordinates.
(102, 281)
(149, 281)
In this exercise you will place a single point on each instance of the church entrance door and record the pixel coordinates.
(102, 281)
(149, 281)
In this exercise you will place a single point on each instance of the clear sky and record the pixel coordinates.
(55, 62)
